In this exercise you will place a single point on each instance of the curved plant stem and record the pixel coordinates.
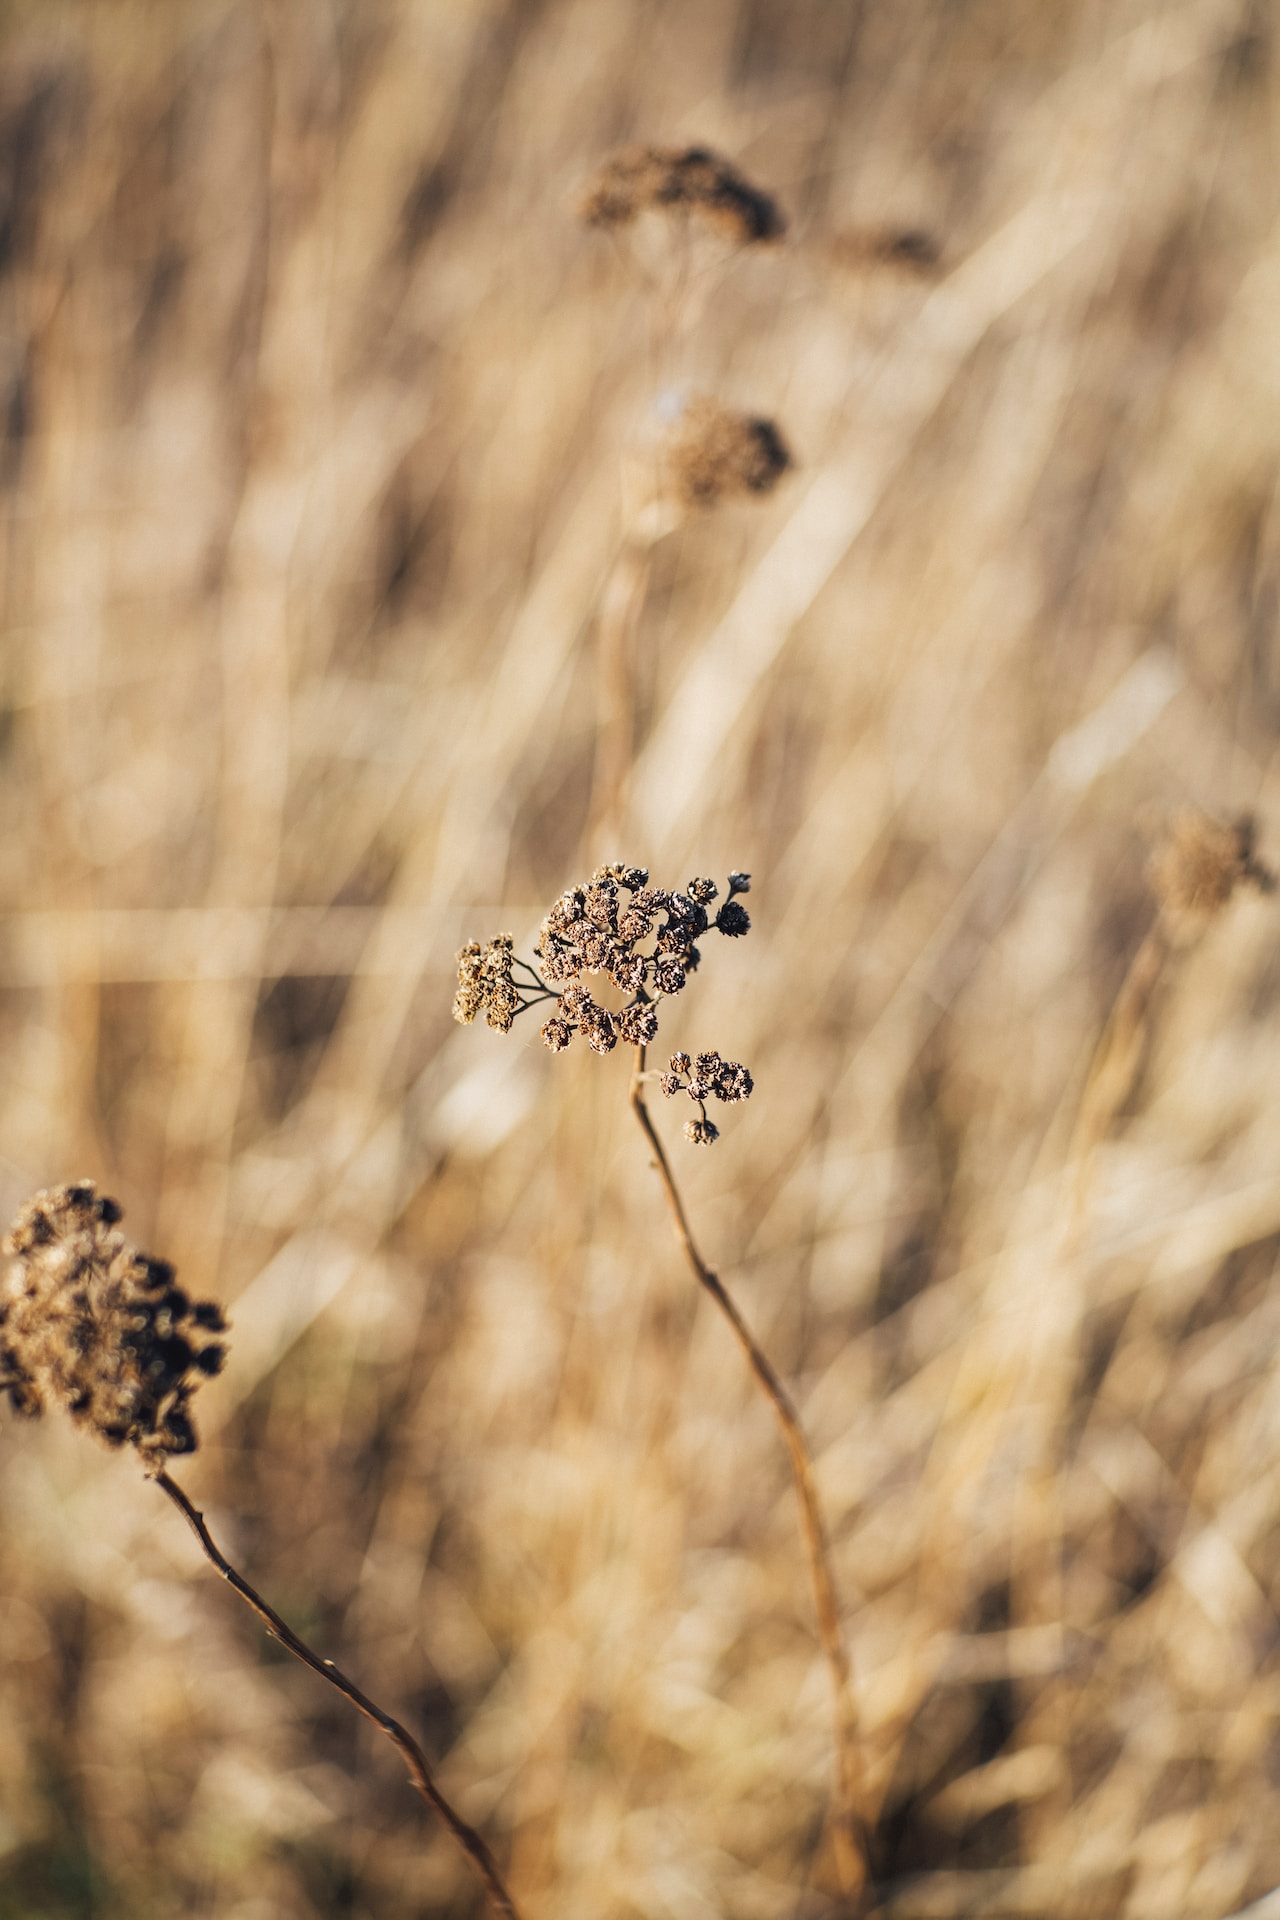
(410, 1752)
(849, 1833)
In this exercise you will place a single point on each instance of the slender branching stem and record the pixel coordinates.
(410, 1752)
(850, 1837)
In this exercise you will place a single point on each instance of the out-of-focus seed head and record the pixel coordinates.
(90, 1324)
(711, 453)
(1198, 868)
(681, 180)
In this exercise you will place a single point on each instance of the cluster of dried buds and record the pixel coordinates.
(643, 940)
(89, 1323)
(689, 181)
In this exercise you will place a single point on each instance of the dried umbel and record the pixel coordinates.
(1198, 869)
(642, 940)
(710, 453)
(681, 180)
(92, 1325)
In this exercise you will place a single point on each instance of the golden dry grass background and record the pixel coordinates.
(316, 402)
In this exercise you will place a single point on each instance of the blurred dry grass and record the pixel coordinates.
(315, 403)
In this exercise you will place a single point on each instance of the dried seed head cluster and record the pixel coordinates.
(1199, 867)
(705, 1077)
(711, 453)
(485, 984)
(690, 180)
(91, 1324)
(643, 941)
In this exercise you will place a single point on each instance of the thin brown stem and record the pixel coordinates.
(849, 1832)
(410, 1752)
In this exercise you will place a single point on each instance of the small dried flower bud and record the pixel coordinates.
(601, 1035)
(597, 950)
(602, 904)
(634, 925)
(680, 1063)
(632, 878)
(733, 920)
(627, 973)
(557, 1033)
(668, 974)
(90, 1324)
(701, 1133)
(733, 1083)
(710, 453)
(638, 1024)
(576, 1004)
(703, 891)
(739, 883)
(671, 1084)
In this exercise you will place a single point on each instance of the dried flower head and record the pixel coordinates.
(642, 941)
(89, 1323)
(689, 180)
(1199, 867)
(485, 984)
(709, 453)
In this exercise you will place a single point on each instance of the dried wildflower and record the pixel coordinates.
(93, 1325)
(709, 453)
(1197, 870)
(705, 1077)
(485, 983)
(688, 180)
(701, 1133)
(642, 939)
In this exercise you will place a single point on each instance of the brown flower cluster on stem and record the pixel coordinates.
(91, 1324)
(710, 454)
(675, 180)
(1199, 867)
(704, 1077)
(642, 940)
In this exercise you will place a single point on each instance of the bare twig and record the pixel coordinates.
(849, 1831)
(410, 1752)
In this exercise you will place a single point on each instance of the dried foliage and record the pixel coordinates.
(314, 395)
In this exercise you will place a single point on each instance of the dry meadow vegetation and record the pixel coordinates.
(318, 401)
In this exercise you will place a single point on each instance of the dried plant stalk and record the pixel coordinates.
(89, 1324)
(407, 1747)
(848, 1829)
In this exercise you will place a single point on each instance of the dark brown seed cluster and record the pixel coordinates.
(90, 1324)
(705, 1077)
(711, 454)
(690, 180)
(1199, 867)
(641, 939)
